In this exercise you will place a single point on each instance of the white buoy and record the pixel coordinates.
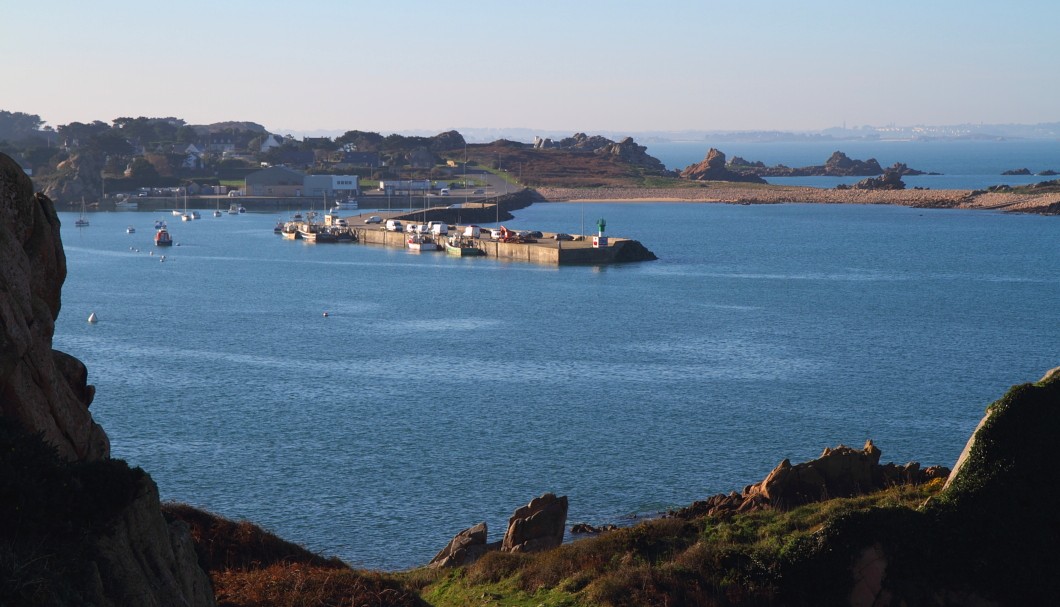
(92, 318)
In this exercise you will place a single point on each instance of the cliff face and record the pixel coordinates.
(98, 521)
(44, 389)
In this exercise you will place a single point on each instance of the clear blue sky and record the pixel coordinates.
(573, 65)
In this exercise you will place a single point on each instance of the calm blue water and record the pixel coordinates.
(965, 165)
(442, 392)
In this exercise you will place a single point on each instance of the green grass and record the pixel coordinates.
(706, 561)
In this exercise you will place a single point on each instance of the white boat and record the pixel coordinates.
(421, 242)
(233, 209)
(126, 205)
(130, 230)
(217, 213)
(349, 204)
(195, 215)
(160, 224)
(185, 216)
(81, 221)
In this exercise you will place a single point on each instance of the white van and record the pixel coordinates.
(444, 192)
(472, 231)
(393, 225)
(438, 227)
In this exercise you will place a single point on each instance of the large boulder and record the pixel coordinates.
(537, 526)
(465, 548)
(713, 168)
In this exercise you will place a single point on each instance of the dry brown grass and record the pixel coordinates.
(296, 585)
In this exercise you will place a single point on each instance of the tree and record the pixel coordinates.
(79, 133)
(109, 142)
(17, 126)
(140, 168)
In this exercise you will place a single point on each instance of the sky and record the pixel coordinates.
(565, 66)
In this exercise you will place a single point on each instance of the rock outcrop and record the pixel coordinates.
(626, 151)
(713, 168)
(76, 178)
(107, 543)
(890, 180)
(465, 548)
(44, 389)
(839, 472)
(988, 538)
(537, 526)
(837, 165)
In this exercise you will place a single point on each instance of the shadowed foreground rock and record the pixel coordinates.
(79, 528)
(989, 538)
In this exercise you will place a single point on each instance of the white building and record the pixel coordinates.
(340, 186)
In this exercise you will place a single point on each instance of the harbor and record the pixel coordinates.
(431, 229)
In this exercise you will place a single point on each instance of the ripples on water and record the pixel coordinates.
(442, 392)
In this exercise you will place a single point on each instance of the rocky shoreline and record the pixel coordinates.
(735, 193)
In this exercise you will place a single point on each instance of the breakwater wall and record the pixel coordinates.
(546, 251)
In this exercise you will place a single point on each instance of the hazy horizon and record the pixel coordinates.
(560, 67)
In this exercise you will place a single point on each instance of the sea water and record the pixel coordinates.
(440, 392)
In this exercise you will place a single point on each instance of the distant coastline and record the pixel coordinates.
(733, 193)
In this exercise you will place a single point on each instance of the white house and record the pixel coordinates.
(343, 186)
(270, 142)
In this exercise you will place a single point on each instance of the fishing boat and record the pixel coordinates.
(316, 233)
(233, 209)
(462, 247)
(81, 221)
(195, 215)
(421, 242)
(163, 239)
(290, 231)
(279, 227)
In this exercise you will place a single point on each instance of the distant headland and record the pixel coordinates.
(100, 163)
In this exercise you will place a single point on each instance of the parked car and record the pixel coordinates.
(495, 234)
(477, 192)
(374, 219)
(394, 225)
(562, 236)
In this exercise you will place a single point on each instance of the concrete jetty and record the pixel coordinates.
(545, 250)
